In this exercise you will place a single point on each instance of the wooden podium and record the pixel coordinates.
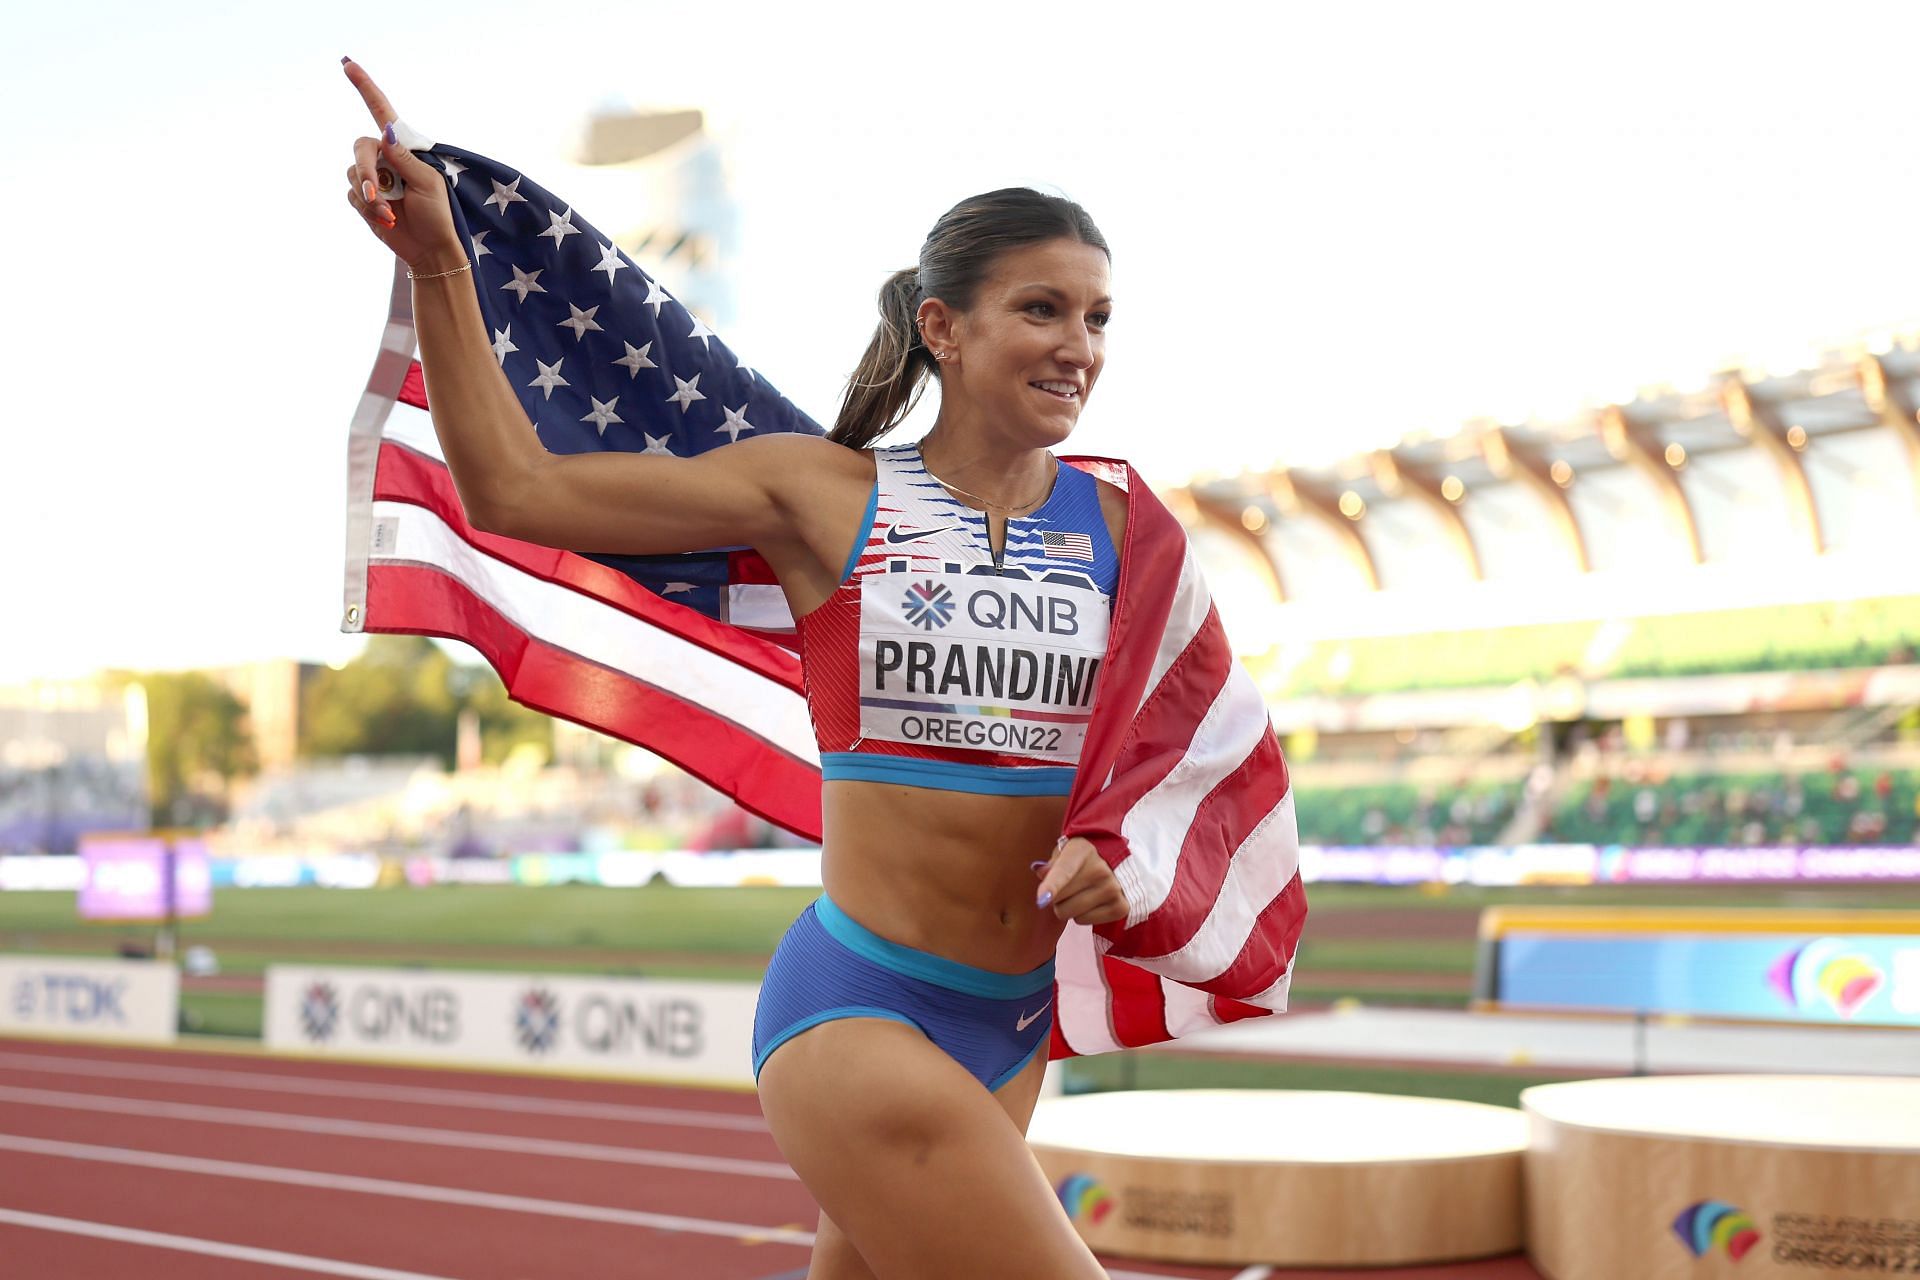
(1735, 1176)
(1284, 1178)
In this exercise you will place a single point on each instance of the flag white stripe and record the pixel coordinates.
(1156, 826)
(1188, 1010)
(1191, 603)
(413, 427)
(1262, 866)
(581, 625)
(1082, 993)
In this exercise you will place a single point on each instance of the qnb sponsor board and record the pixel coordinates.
(133, 1000)
(648, 1029)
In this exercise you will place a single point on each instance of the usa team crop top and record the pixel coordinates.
(933, 666)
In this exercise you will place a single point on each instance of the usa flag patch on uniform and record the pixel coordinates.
(1067, 546)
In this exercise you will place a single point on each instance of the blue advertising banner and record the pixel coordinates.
(1859, 979)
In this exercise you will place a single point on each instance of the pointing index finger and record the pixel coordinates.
(383, 112)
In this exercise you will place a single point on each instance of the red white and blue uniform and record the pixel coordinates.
(935, 664)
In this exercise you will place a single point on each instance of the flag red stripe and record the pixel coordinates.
(1224, 820)
(407, 476)
(1270, 947)
(777, 785)
(1139, 1013)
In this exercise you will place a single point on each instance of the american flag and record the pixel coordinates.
(1067, 546)
(1181, 784)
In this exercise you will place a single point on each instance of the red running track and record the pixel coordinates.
(177, 1163)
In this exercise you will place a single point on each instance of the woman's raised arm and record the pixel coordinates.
(781, 494)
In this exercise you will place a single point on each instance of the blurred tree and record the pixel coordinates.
(197, 743)
(403, 696)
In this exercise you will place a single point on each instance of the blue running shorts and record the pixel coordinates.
(830, 966)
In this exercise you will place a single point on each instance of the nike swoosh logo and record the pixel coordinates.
(1026, 1020)
(893, 533)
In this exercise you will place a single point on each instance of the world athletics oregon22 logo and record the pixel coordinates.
(929, 605)
(1709, 1223)
(1085, 1197)
(1829, 971)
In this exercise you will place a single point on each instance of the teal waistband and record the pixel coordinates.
(938, 970)
(948, 775)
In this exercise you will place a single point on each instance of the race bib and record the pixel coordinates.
(971, 660)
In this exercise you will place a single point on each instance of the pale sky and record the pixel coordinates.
(1332, 226)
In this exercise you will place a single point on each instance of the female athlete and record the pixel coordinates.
(903, 1022)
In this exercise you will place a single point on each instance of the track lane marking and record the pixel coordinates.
(273, 1082)
(203, 1114)
(207, 1248)
(401, 1190)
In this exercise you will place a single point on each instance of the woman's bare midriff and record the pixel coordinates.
(945, 872)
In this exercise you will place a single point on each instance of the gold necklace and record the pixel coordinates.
(992, 506)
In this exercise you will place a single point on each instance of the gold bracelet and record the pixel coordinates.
(465, 266)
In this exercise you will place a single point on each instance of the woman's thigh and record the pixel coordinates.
(908, 1156)
(834, 1255)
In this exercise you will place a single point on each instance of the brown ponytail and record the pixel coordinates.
(957, 257)
(893, 373)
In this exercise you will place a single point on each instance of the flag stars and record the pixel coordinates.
(658, 444)
(676, 588)
(636, 359)
(656, 297)
(736, 422)
(686, 392)
(700, 331)
(740, 363)
(504, 194)
(561, 228)
(480, 249)
(453, 169)
(525, 282)
(580, 321)
(602, 414)
(611, 262)
(549, 377)
(503, 344)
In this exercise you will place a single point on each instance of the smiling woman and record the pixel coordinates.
(954, 601)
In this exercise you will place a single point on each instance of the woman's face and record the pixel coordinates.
(1027, 353)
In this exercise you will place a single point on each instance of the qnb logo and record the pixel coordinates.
(929, 605)
(1085, 1197)
(536, 1020)
(319, 1012)
(1826, 971)
(1712, 1224)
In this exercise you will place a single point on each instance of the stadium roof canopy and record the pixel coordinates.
(1751, 489)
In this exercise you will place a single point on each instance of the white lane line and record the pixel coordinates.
(396, 1132)
(209, 1248)
(319, 1087)
(401, 1190)
(1254, 1273)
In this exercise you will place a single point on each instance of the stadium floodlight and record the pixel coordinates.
(1628, 441)
(1897, 411)
(1759, 420)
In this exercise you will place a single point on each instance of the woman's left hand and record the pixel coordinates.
(1079, 885)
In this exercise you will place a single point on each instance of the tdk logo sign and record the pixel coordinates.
(72, 999)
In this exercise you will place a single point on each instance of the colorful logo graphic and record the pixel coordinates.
(1085, 1197)
(1701, 1227)
(319, 1011)
(536, 1020)
(1826, 970)
(929, 605)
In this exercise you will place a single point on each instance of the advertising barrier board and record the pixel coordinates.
(639, 1027)
(93, 999)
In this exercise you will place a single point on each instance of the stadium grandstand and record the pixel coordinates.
(72, 760)
(1683, 620)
